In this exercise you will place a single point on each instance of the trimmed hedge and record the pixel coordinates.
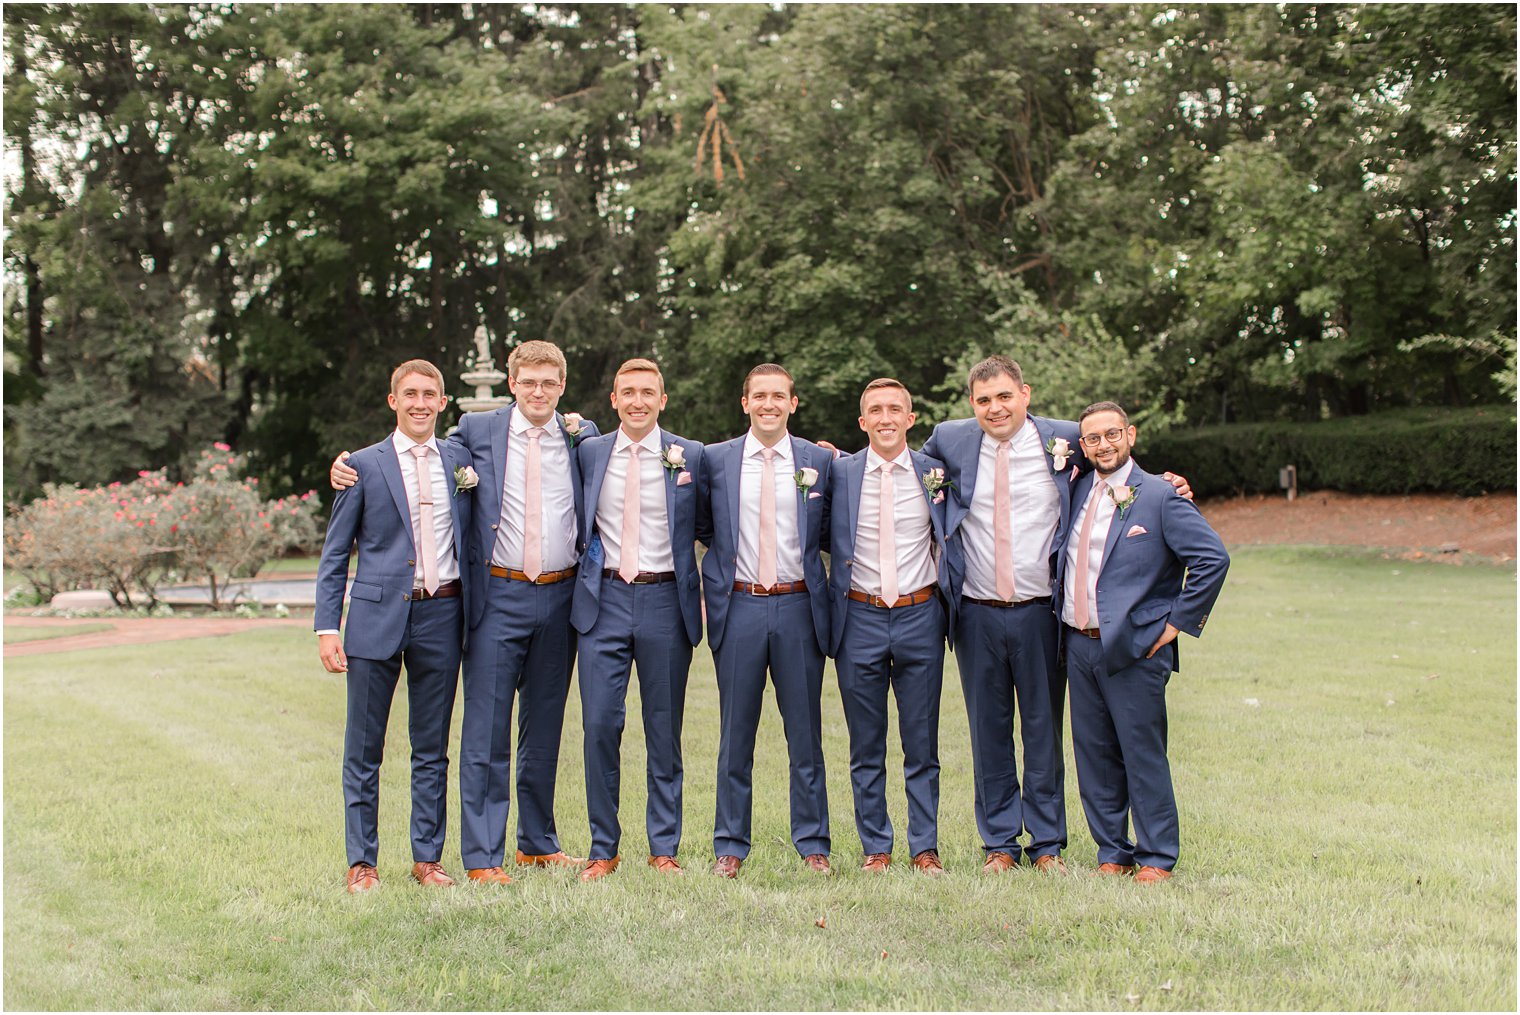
(1464, 451)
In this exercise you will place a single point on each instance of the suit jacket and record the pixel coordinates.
(374, 513)
(718, 527)
(1160, 537)
(958, 443)
(845, 485)
(483, 437)
(681, 510)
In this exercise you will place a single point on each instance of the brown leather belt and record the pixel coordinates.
(1004, 603)
(545, 578)
(923, 595)
(1090, 632)
(643, 577)
(778, 589)
(448, 590)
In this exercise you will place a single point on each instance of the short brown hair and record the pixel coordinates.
(1097, 407)
(534, 353)
(766, 369)
(416, 366)
(994, 366)
(631, 366)
(885, 382)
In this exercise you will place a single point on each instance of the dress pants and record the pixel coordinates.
(773, 633)
(904, 649)
(430, 651)
(522, 651)
(1118, 735)
(636, 625)
(1007, 660)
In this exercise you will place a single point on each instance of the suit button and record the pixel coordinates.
(405, 597)
(493, 528)
(412, 562)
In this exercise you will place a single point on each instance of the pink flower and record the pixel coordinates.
(222, 447)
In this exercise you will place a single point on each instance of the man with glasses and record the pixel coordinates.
(1119, 579)
(523, 552)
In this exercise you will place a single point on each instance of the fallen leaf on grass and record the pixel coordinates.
(1132, 997)
(1167, 985)
(822, 921)
(883, 954)
(275, 937)
(1253, 702)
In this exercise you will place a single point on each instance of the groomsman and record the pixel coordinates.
(637, 602)
(766, 522)
(1011, 475)
(406, 608)
(1123, 601)
(523, 556)
(887, 519)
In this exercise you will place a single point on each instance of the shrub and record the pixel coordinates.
(1463, 451)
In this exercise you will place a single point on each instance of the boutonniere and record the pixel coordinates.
(673, 458)
(805, 478)
(1059, 450)
(465, 479)
(935, 482)
(1123, 497)
(574, 425)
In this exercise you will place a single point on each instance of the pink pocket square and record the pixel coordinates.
(683, 478)
(1136, 530)
(812, 495)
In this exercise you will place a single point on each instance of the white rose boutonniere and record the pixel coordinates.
(465, 479)
(805, 478)
(935, 482)
(1060, 450)
(574, 424)
(673, 457)
(1123, 497)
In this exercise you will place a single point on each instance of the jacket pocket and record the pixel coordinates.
(1149, 612)
(366, 591)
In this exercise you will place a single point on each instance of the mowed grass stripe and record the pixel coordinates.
(174, 840)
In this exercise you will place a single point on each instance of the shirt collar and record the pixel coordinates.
(1023, 435)
(753, 447)
(1120, 476)
(904, 460)
(651, 441)
(404, 444)
(521, 424)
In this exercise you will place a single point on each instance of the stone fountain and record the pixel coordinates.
(482, 376)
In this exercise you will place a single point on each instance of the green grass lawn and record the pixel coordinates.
(1343, 743)
(18, 631)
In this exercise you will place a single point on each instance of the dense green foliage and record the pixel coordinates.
(230, 221)
(1466, 451)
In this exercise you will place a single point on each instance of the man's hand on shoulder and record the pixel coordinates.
(1183, 490)
(341, 476)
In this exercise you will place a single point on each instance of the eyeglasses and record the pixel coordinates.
(1113, 437)
(547, 387)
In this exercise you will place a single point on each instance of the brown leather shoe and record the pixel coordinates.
(666, 865)
(1050, 864)
(559, 859)
(1146, 875)
(927, 862)
(818, 863)
(488, 876)
(1114, 870)
(361, 878)
(876, 863)
(727, 866)
(429, 873)
(998, 862)
(598, 869)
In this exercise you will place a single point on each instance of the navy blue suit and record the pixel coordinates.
(1008, 655)
(523, 648)
(654, 626)
(388, 626)
(1118, 697)
(877, 648)
(751, 634)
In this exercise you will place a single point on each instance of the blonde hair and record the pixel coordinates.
(534, 353)
(638, 365)
(416, 366)
(886, 382)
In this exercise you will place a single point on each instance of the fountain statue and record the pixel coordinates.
(482, 376)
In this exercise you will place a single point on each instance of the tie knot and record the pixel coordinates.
(535, 432)
(886, 468)
(633, 450)
(420, 451)
(769, 454)
(1003, 446)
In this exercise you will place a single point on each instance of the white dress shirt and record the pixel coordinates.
(788, 540)
(443, 512)
(1102, 522)
(654, 521)
(911, 526)
(557, 500)
(1035, 509)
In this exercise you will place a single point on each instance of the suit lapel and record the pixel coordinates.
(669, 475)
(601, 456)
(802, 461)
(854, 485)
(920, 467)
(449, 465)
(575, 472)
(732, 463)
(501, 427)
(969, 449)
(390, 468)
(1118, 525)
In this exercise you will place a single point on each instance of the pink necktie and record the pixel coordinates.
(427, 540)
(533, 521)
(1080, 608)
(766, 567)
(1002, 528)
(628, 554)
(888, 527)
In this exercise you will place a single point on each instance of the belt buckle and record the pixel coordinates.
(756, 589)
